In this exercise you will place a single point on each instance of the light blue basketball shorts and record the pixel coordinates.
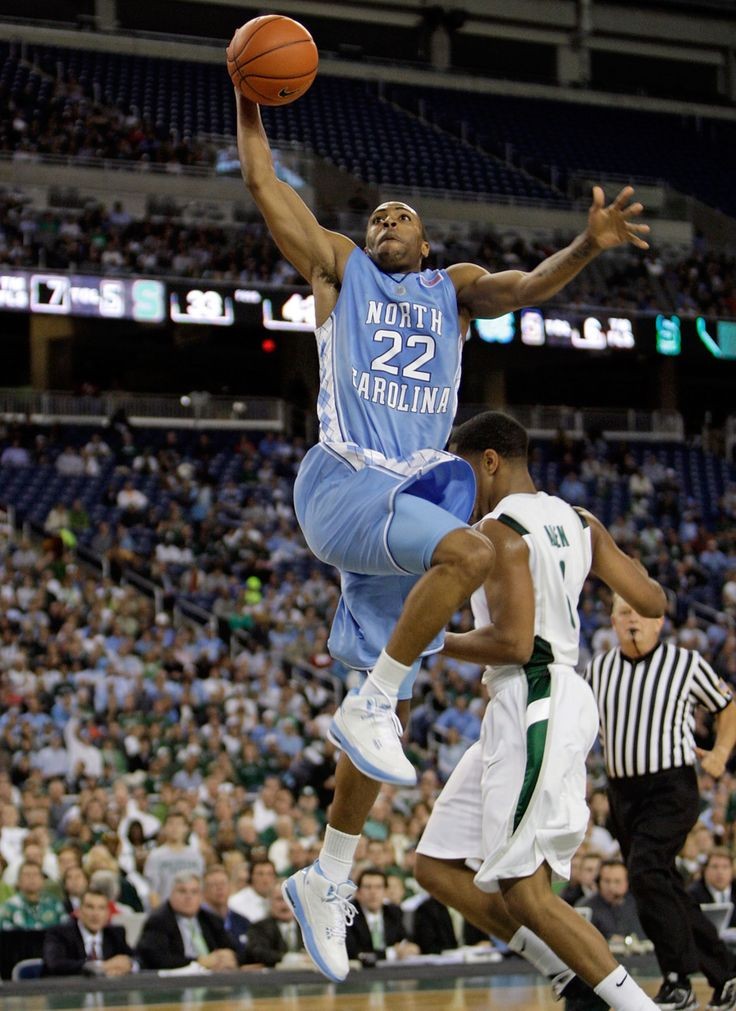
(380, 527)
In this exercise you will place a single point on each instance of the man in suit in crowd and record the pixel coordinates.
(179, 931)
(717, 884)
(377, 928)
(217, 889)
(270, 939)
(88, 944)
(437, 928)
(614, 907)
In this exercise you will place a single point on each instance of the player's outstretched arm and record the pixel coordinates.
(626, 576)
(481, 293)
(309, 247)
(510, 595)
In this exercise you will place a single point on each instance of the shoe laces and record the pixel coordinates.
(376, 709)
(343, 913)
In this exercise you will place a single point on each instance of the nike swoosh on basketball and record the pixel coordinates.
(623, 980)
(285, 92)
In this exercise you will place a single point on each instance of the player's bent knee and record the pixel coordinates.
(468, 551)
(525, 906)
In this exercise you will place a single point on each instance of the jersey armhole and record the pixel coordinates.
(580, 516)
(509, 521)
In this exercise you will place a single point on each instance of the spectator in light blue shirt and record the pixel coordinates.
(188, 777)
(573, 490)
(714, 560)
(288, 740)
(459, 717)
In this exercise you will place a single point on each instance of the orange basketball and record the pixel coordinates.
(272, 60)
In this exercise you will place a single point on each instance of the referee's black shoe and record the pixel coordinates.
(676, 994)
(724, 997)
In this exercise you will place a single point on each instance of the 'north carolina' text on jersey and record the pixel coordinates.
(389, 358)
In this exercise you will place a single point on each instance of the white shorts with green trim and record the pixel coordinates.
(517, 797)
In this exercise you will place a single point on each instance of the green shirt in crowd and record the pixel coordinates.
(20, 914)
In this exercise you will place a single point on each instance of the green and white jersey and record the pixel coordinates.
(560, 556)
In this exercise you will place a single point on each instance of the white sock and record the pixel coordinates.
(387, 675)
(337, 853)
(621, 993)
(534, 950)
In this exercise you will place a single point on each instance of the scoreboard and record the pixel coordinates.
(150, 300)
(158, 301)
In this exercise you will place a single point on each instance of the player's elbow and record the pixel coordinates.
(253, 179)
(257, 172)
(655, 603)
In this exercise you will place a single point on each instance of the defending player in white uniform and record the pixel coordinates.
(540, 724)
(513, 812)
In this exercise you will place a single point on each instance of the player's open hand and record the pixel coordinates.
(614, 225)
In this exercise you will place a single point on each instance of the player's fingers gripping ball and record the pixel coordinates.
(272, 60)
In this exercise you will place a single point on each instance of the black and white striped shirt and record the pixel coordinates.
(646, 707)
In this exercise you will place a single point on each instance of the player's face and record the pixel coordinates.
(394, 238)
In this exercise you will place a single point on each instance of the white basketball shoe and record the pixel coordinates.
(323, 912)
(368, 730)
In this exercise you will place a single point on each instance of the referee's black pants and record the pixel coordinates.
(651, 817)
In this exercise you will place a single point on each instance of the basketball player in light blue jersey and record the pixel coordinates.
(378, 497)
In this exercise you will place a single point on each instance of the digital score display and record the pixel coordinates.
(154, 301)
(149, 300)
(556, 328)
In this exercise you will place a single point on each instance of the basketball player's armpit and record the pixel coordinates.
(330, 277)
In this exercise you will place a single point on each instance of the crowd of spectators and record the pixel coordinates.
(99, 239)
(68, 121)
(134, 749)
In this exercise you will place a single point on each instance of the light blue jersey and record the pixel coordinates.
(378, 492)
(390, 360)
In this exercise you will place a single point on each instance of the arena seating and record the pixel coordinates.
(575, 137)
(440, 140)
(342, 120)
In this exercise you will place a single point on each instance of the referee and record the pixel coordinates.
(646, 693)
